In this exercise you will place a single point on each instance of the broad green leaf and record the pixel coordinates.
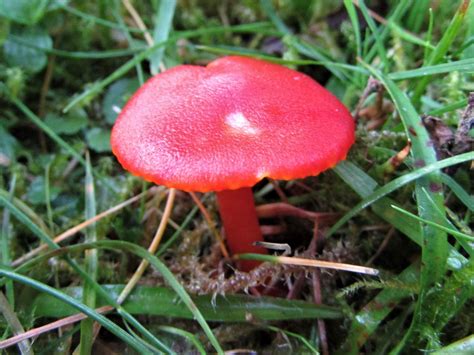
(69, 124)
(229, 308)
(116, 97)
(98, 139)
(26, 12)
(8, 147)
(36, 193)
(4, 30)
(18, 51)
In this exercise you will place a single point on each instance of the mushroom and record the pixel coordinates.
(225, 127)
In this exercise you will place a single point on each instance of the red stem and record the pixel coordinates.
(241, 225)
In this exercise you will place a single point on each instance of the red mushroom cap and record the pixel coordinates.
(230, 124)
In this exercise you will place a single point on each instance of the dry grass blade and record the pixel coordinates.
(152, 248)
(72, 231)
(327, 265)
(287, 260)
(48, 327)
(10, 316)
(211, 225)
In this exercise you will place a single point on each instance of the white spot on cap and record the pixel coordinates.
(238, 122)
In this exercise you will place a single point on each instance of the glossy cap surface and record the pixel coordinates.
(229, 125)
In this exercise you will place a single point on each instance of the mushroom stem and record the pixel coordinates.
(240, 221)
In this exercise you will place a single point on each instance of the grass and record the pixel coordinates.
(64, 62)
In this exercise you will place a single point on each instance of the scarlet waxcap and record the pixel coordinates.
(229, 125)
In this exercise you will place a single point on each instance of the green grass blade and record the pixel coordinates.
(163, 22)
(462, 346)
(182, 333)
(367, 320)
(25, 209)
(106, 323)
(5, 243)
(48, 240)
(435, 244)
(451, 231)
(464, 65)
(352, 12)
(448, 108)
(268, 9)
(462, 195)
(97, 88)
(302, 47)
(442, 48)
(397, 183)
(91, 262)
(375, 32)
(114, 53)
(95, 19)
(157, 264)
(364, 186)
(302, 339)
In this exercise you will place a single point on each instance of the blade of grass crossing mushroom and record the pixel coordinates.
(109, 325)
(47, 239)
(91, 262)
